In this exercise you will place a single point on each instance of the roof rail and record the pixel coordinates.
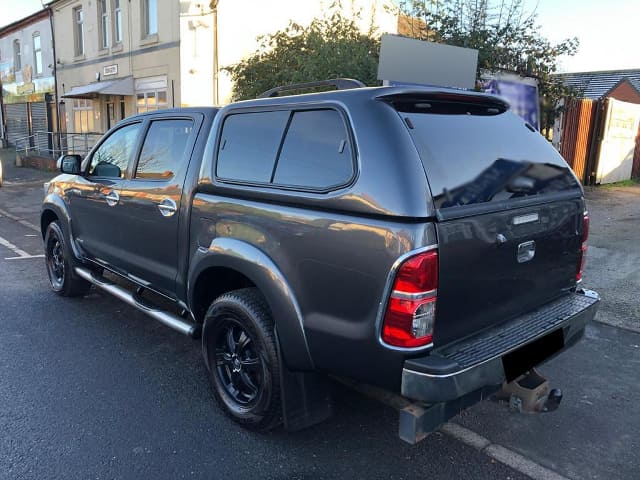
(339, 83)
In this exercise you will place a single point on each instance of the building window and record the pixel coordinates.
(150, 17)
(17, 63)
(103, 22)
(78, 31)
(37, 54)
(84, 115)
(117, 21)
(150, 101)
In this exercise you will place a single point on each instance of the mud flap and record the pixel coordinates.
(306, 397)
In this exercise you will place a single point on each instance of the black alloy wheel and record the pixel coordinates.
(55, 261)
(238, 366)
(60, 264)
(239, 345)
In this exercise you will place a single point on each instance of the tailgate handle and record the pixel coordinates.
(526, 251)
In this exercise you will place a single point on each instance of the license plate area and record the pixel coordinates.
(525, 358)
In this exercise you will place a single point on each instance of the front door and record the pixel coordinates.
(151, 202)
(95, 203)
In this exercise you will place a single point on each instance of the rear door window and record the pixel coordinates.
(163, 149)
(249, 145)
(316, 152)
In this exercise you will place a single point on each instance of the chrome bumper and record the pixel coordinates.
(460, 369)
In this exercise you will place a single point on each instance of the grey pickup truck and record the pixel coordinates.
(424, 241)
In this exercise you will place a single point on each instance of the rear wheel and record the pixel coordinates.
(60, 264)
(244, 371)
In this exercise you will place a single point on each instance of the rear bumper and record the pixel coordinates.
(479, 362)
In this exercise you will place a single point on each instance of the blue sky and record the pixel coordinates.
(608, 30)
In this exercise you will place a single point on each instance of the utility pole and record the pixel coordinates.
(214, 9)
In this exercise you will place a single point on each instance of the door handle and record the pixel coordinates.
(167, 207)
(112, 198)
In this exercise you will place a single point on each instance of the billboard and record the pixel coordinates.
(409, 61)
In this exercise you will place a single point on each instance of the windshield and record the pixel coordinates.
(472, 159)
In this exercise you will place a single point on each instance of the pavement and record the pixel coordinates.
(614, 253)
(91, 388)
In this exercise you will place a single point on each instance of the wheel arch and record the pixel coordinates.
(55, 209)
(243, 265)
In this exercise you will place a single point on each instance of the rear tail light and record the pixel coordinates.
(411, 310)
(582, 254)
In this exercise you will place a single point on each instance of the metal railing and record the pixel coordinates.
(54, 144)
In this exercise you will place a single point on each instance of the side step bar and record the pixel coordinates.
(166, 318)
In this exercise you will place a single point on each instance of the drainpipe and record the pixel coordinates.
(3, 140)
(214, 9)
(55, 74)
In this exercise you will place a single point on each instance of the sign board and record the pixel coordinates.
(520, 92)
(406, 60)
(110, 70)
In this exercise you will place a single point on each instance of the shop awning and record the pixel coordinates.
(121, 86)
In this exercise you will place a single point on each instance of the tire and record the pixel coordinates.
(60, 263)
(239, 344)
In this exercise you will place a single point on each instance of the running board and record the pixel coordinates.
(166, 318)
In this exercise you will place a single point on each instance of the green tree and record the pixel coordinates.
(507, 39)
(330, 47)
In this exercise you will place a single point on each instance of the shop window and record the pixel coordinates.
(84, 115)
(150, 101)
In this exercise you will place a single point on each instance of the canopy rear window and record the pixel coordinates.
(482, 154)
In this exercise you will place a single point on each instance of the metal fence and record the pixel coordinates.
(54, 144)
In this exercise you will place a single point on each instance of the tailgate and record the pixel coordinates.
(509, 210)
(493, 267)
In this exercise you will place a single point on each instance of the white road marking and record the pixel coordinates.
(24, 257)
(13, 248)
(501, 454)
(21, 221)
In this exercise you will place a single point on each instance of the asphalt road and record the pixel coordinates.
(91, 388)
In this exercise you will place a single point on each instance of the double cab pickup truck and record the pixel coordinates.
(424, 241)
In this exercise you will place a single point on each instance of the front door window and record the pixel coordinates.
(114, 154)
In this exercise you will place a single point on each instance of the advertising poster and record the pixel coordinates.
(520, 92)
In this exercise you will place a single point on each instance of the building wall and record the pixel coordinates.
(152, 60)
(26, 80)
(240, 22)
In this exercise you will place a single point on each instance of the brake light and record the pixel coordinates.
(410, 315)
(582, 254)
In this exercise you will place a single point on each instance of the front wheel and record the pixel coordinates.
(60, 264)
(240, 346)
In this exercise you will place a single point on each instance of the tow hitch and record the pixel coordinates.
(530, 393)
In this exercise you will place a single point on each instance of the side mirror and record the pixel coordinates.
(70, 164)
